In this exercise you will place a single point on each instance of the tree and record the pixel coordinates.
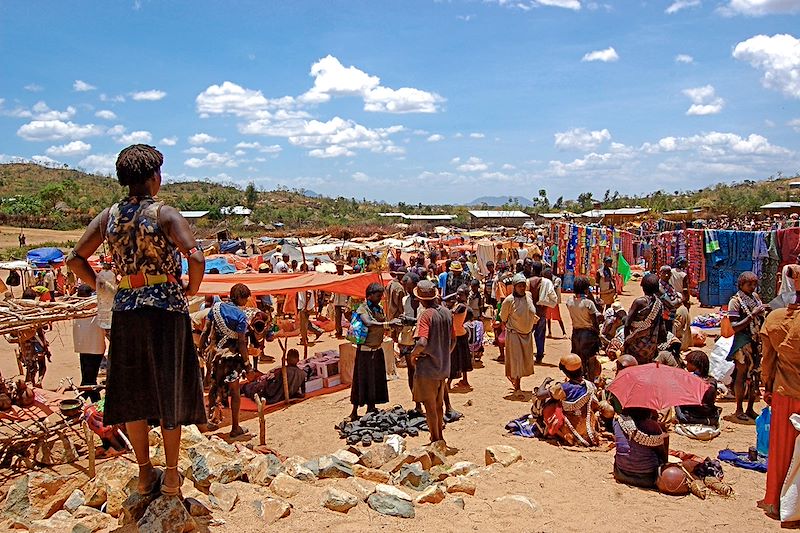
(586, 201)
(251, 195)
(559, 204)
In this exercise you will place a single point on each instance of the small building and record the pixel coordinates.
(550, 217)
(781, 208)
(237, 210)
(194, 216)
(498, 218)
(685, 214)
(612, 217)
(420, 218)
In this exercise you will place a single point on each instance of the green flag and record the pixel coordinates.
(623, 268)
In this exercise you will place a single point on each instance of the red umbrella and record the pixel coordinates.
(656, 386)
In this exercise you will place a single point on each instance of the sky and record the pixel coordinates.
(410, 101)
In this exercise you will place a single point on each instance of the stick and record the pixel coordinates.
(262, 430)
(283, 371)
(89, 436)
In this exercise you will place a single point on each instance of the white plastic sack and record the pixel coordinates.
(790, 493)
(719, 368)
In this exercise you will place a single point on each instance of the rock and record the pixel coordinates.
(313, 465)
(489, 470)
(223, 497)
(60, 521)
(215, 460)
(346, 457)
(56, 451)
(390, 501)
(39, 495)
(413, 476)
(460, 484)
(338, 500)
(155, 438)
(394, 465)
(285, 486)
(378, 455)
(437, 452)
(362, 488)
(196, 507)
(420, 455)
(295, 467)
(505, 455)
(191, 436)
(263, 469)
(397, 442)
(271, 509)
(461, 468)
(371, 474)
(458, 502)
(438, 473)
(166, 515)
(91, 520)
(114, 481)
(135, 505)
(515, 504)
(75, 500)
(333, 467)
(433, 494)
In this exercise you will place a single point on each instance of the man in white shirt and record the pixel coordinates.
(544, 295)
(282, 266)
(306, 304)
(89, 341)
(522, 252)
(50, 280)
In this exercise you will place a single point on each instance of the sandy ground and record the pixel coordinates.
(9, 236)
(574, 490)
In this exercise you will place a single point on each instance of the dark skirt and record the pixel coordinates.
(460, 357)
(369, 378)
(153, 371)
(585, 343)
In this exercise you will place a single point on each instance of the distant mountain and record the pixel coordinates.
(497, 201)
(311, 194)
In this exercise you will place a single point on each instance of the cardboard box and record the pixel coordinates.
(332, 381)
(347, 361)
(314, 384)
(327, 368)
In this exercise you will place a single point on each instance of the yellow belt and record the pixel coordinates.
(135, 281)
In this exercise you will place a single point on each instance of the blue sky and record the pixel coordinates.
(413, 101)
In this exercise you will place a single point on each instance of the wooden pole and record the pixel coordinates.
(89, 436)
(262, 427)
(283, 371)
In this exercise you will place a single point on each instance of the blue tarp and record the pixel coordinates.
(230, 247)
(220, 263)
(41, 257)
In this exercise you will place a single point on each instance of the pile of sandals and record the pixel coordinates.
(374, 427)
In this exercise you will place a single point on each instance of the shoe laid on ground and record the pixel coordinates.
(366, 440)
(452, 416)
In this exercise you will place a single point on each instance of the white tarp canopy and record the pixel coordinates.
(14, 265)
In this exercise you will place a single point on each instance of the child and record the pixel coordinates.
(474, 327)
(554, 313)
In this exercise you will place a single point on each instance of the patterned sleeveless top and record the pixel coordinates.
(139, 245)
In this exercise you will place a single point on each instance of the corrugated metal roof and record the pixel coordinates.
(781, 205)
(499, 214)
(629, 211)
(239, 210)
(418, 217)
(194, 214)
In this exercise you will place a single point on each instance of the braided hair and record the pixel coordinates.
(137, 163)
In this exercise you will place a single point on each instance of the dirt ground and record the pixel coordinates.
(573, 490)
(9, 236)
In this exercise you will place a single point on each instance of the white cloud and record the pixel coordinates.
(778, 56)
(575, 5)
(69, 149)
(606, 56)
(44, 160)
(101, 163)
(704, 101)
(33, 88)
(795, 124)
(508, 166)
(527, 5)
(761, 7)
(473, 164)
(81, 86)
(581, 139)
(135, 137)
(681, 4)
(231, 99)
(684, 58)
(211, 159)
(106, 98)
(264, 149)
(360, 177)
(195, 150)
(150, 96)
(40, 111)
(331, 151)
(435, 138)
(592, 162)
(169, 141)
(465, 18)
(106, 114)
(331, 79)
(57, 130)
(477, 135)
(716, 144)
(204, 138)
(117, 129)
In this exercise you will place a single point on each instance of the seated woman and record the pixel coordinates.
(642, 447)
(567, 410)
(269, 386)
(585, 327)
(708, 413)
(613, 321)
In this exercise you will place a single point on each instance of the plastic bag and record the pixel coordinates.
(762, 431)
(719, 368)
(357, 332)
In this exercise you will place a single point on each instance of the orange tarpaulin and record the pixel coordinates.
(260, 284)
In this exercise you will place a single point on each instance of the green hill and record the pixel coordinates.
(62, 198)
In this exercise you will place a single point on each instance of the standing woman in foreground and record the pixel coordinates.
(153, 373)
